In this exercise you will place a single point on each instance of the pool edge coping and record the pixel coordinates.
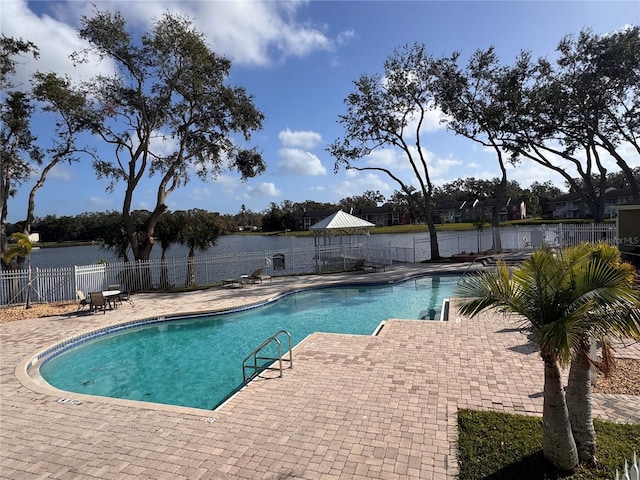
(27, 371)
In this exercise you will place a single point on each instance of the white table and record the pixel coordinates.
(111, 296)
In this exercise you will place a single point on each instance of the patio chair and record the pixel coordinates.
(257, 276)
(97, 302)
(82, 300)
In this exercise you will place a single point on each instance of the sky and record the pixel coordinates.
(299, 59)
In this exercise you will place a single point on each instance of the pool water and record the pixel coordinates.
(198, 362)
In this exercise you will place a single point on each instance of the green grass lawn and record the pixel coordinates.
(499, 446)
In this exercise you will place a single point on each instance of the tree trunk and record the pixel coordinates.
(164, 271)
(495, 229)
(579, 405)
(499, 196)
(433, 234)
(144, 249)
(558, 444)
(433, 237)
(631, 179)
(191, 268)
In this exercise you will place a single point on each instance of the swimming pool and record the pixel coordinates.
(197, 362)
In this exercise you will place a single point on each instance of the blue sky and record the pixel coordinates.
(299, 61)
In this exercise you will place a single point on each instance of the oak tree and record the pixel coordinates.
(389, 111)
(578, 111)
(167, 112)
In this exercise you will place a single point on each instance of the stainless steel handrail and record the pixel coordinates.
(260, 368)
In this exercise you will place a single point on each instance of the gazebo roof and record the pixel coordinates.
(341, 221)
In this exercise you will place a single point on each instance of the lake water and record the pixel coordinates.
(90, 254)
(451, 242)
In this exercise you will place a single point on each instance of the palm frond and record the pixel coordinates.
(564, 297)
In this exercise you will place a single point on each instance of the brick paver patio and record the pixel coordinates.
(356, 407)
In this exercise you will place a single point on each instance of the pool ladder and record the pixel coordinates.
(255, 368)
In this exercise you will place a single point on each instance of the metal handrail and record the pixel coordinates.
(260, 368)
(473, 262)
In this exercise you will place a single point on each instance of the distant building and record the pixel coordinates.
(571, 205)
(383, 216)
(306, 218)
(449, 212)
(475, 210)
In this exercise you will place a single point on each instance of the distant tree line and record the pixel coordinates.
(106, 227)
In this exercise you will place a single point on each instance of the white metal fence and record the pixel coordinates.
(630, 472)
(515, 238)
(60, 284)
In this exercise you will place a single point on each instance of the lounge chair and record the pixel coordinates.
(97, 302)
(361, 265)
(126, 297)
(82, 300)
(257, 276)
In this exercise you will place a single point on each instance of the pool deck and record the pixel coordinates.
(356, 407)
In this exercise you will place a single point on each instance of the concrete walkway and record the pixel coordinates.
(354, 407)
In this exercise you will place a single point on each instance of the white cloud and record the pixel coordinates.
(265, 189)
(360, 183)
(431, 119)
(299, 162)
(248, 32)
(100, 203)
(299, 139)
(159, 144)
(345, 37)
(227, 183)
(56, 40)
(395, 159)
(199, 194)
(441, 166)
(386, 158)
(527, 172)
(61, 171)
(431, 122)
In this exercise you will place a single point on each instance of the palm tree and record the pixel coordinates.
(21, 248)
(620, 318)
(199, 230)
(557, 293)
(168, 233)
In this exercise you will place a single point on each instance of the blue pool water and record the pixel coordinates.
(198, 362)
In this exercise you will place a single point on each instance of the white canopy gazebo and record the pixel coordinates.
(339, 237)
